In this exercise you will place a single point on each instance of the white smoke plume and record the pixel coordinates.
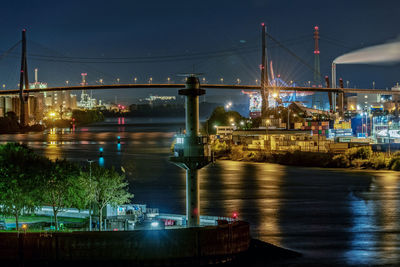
(388, 53)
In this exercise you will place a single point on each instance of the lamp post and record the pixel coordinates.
(90, 186)
(390, 123)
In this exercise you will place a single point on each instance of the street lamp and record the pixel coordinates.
(238, 81)
(221, 80)
(24, 227)
(135, 79)
(90, 186)
(117, 80)
(390, 123)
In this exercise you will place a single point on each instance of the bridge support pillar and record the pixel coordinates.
(340, 104)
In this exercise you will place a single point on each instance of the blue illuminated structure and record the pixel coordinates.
(101, 161)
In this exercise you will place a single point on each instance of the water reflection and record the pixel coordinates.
(252, 190)
(376, 223)
(51, 147)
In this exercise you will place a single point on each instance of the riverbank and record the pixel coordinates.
(360, 158)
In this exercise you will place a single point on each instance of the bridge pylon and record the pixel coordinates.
(23, 81)
(191, 150)
(264, 73)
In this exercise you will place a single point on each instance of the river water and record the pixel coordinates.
(340, 217)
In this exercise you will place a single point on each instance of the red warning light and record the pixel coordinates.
(263, 24)
(316, 28)
(235, 215)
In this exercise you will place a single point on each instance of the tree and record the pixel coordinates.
(19, 172)
(220, 117)
(61, 187)
(109, 187)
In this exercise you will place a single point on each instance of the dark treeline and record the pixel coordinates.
(83, 117)
(10, 124)
(166, 110)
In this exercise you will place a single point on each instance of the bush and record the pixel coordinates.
(340, 161)
(237, 153)
(310, 159)
(220, 147)
(395, 165)
(377, 161)
(364, 152)
(394, 162)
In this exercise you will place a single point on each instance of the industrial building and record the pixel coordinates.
(281, 140)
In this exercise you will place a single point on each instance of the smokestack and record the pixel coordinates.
(329, 94)
(36, 75)
(333, 75)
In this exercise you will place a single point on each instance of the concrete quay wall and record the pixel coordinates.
(200, 245)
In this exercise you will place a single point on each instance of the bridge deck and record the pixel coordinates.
(205, 86)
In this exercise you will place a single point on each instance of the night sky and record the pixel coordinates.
(217, 38)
